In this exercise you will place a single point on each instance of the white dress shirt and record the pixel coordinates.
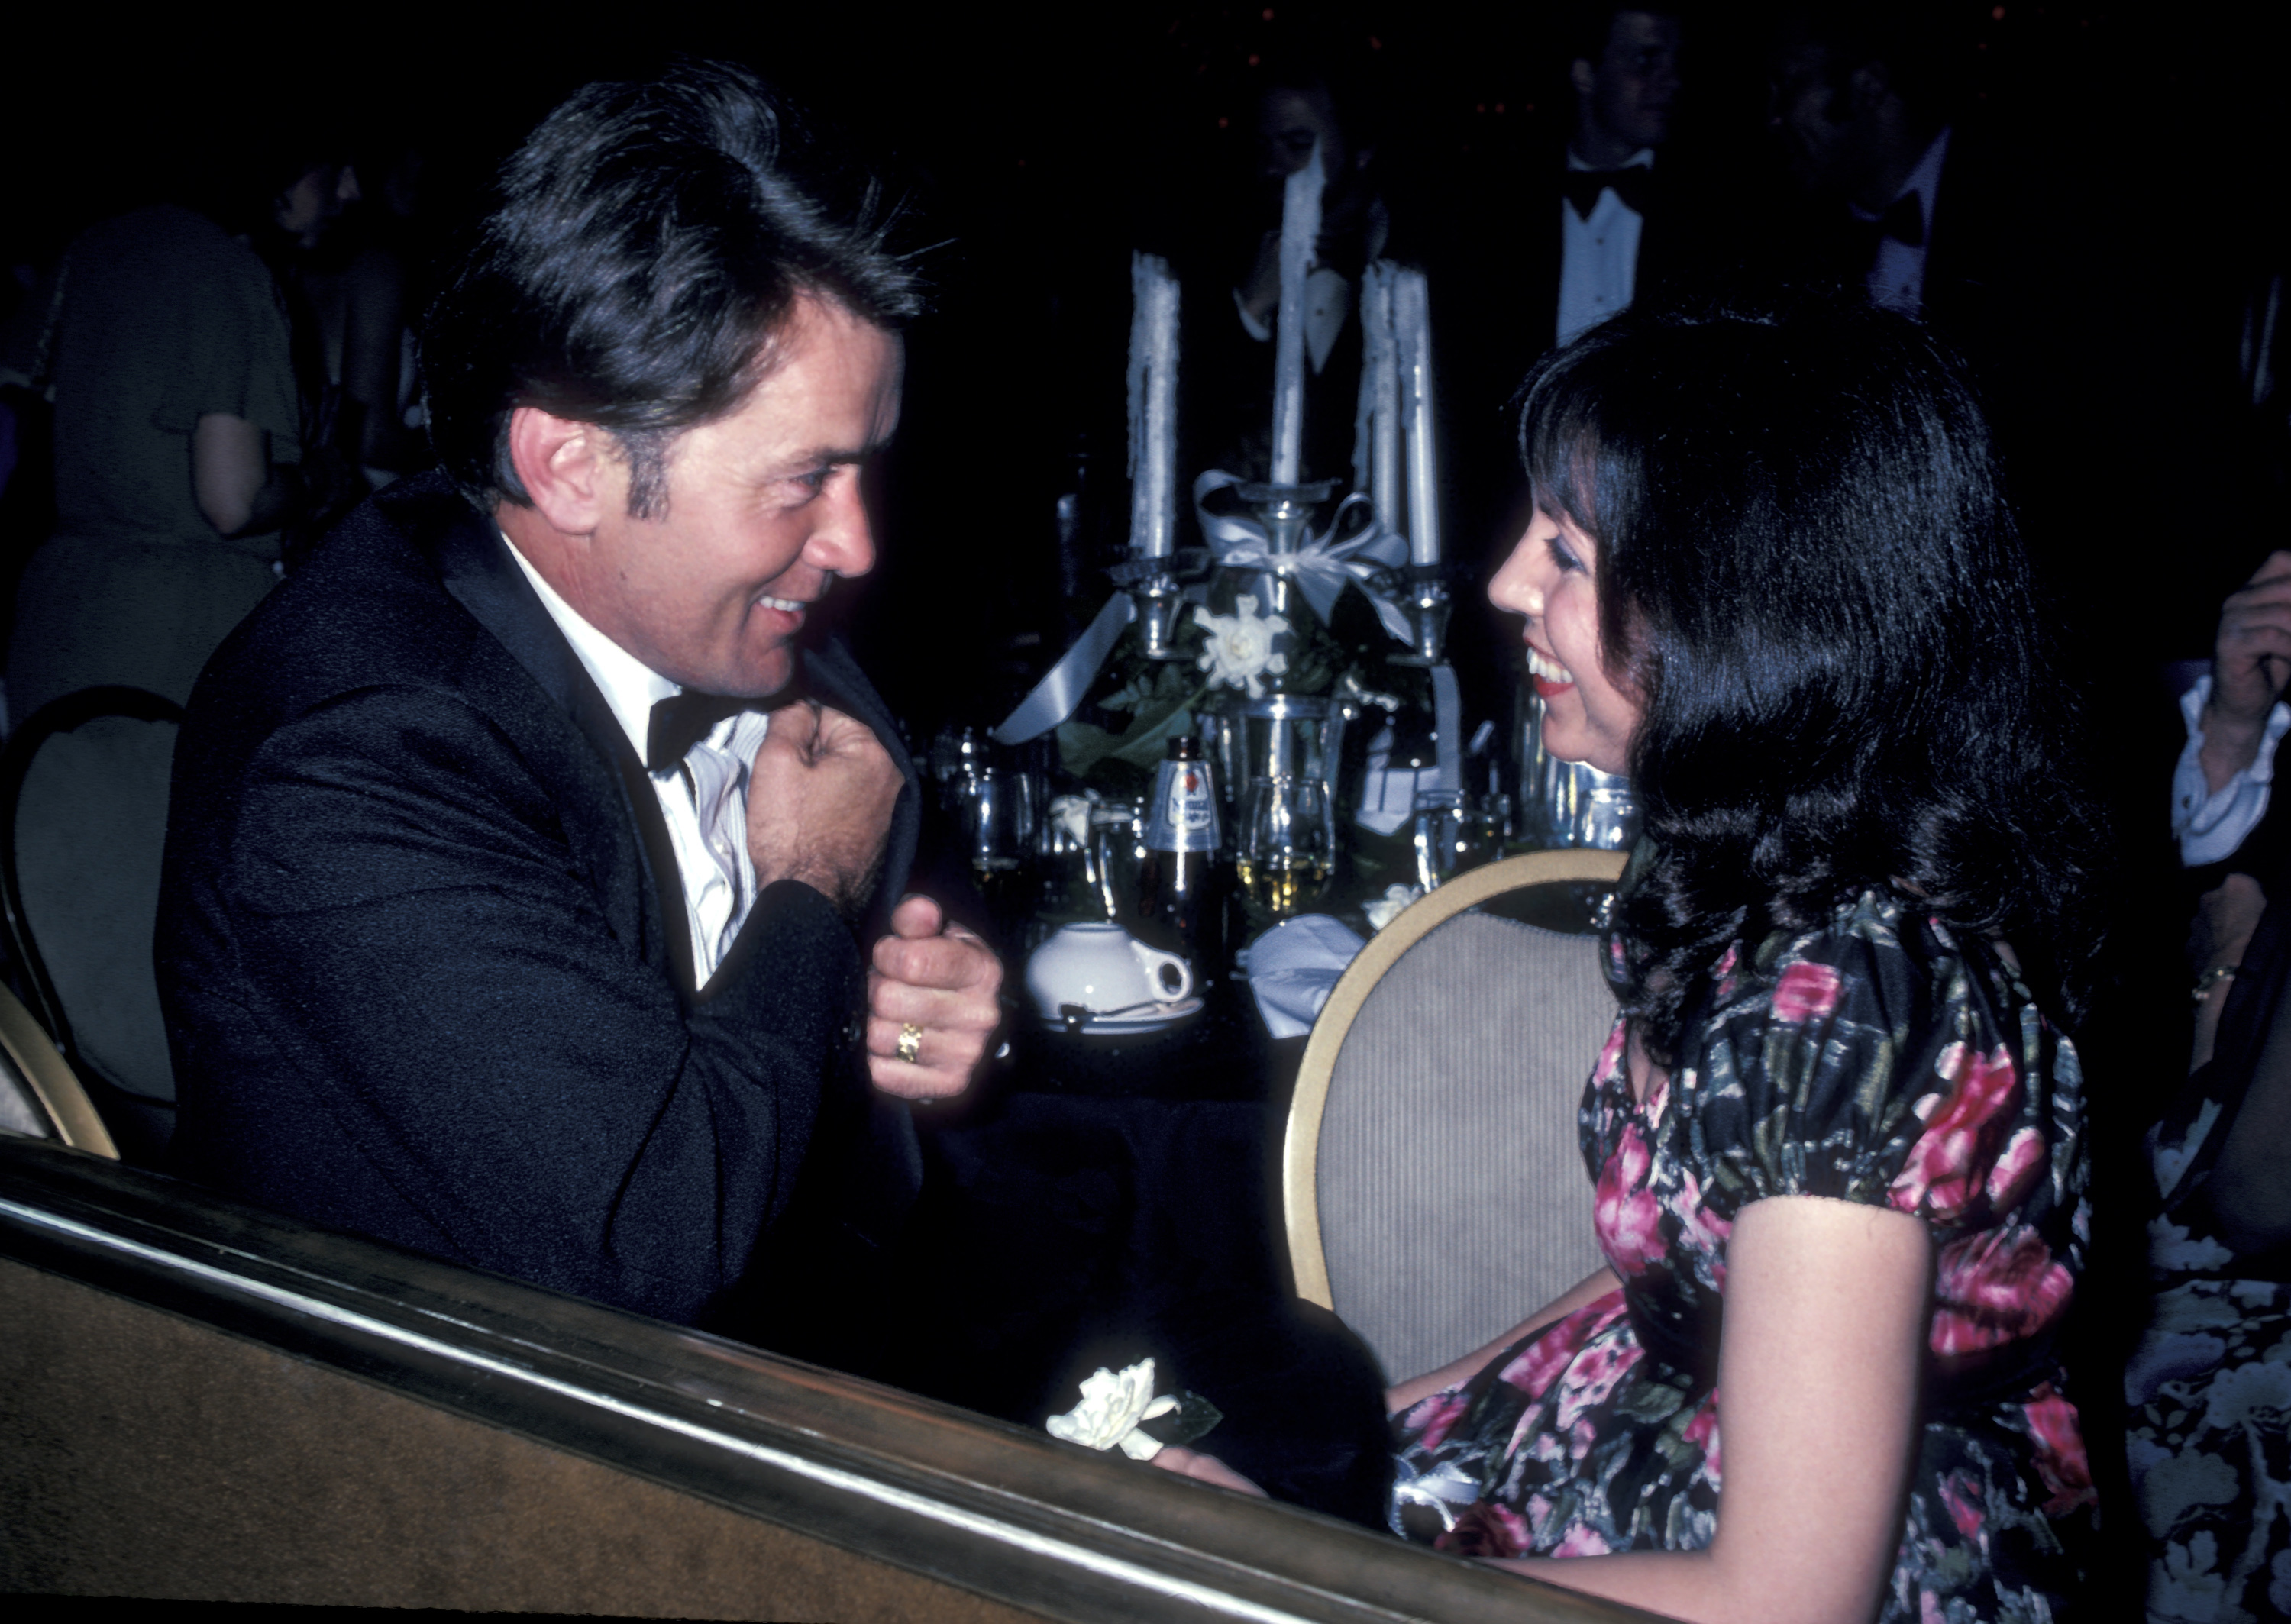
(2211, 825)
(704, 800)
(1599, 257)
(1897, 276)
(1328, 299)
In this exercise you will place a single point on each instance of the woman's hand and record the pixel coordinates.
(1827, 1304)
(1205, 1468)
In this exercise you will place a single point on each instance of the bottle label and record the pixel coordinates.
(1185, 809)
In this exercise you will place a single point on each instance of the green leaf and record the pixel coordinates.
(1081, 746)
(1143, 745)
(1193, 1416)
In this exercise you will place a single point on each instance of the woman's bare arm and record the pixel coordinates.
(229, 464)
(1416, 1388)
(1826, 1313)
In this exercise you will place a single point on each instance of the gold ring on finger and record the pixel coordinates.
(911, 1041)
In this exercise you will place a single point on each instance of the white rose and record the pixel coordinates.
(1239, 652)
(1110, 1410)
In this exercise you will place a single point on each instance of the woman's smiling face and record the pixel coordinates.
(1552, 578)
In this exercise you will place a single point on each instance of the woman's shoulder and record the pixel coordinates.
(1877, 944)
(1862, 1036)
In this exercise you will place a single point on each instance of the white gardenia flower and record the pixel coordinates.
(1110, 1410)
(1070, 814)
(1239, 652)
(1388, 907)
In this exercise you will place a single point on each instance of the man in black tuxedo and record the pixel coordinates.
(1571, 235)
(1904, 204)
(1563, 237)
(1545, 242)
(527, 884)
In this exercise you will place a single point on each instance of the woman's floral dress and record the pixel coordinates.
(2208, 1390)
(1877, 1060)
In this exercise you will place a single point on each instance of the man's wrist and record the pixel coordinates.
(847, 887)
(2230, 745)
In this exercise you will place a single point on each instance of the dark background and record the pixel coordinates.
(1039, 143)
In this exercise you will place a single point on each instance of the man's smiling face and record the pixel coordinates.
(763, 513)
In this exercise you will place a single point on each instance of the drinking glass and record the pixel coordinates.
(1117, 848)
(1287, 843)
(997, 807)
(1456, 832)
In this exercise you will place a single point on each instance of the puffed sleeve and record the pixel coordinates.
(1875, 1061)
(236, 352)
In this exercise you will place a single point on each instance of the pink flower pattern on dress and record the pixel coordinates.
(1436, 1415)
(1806, 992)
(1583, 1540)
(2025, 1157)
(1950, 1163)
(1702, 1432)
(1995, 1286)
(1626, 1215)
(1958, 1494)
(2061, 1458)
(1805, 1074)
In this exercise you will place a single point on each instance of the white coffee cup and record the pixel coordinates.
(1104, 970)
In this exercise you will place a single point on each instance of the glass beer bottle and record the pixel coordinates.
(1180, 901)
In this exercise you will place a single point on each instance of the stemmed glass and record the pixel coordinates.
(1287, 845)
(997, 808)
(1455, 831)
(1117, 845)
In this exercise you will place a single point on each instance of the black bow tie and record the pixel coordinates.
(1632, 185)
(681, 721)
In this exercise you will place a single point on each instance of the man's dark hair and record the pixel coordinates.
(1586, 27)
(647, 243)
(1336, 69)
(1808, 573)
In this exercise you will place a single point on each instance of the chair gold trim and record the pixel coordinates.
(1301, 1205)
(53, 1082)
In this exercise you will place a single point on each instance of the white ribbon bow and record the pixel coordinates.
(1322, 567)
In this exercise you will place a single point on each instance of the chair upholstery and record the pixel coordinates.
(1449, 1195)
(84, 805)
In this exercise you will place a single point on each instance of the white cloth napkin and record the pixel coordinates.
(1293, 967)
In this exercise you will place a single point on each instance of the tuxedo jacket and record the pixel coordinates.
(422, 954)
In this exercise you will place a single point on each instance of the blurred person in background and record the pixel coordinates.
(164, 344)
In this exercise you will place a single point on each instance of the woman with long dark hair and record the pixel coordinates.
(1771, 576)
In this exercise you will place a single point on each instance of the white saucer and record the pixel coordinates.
(1151, 1019)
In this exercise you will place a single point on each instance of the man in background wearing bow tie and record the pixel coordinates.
(1624, 72)
(1563, 236)
(1909, 204)
(530, 885)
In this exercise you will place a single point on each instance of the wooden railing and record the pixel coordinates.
(202, 1400)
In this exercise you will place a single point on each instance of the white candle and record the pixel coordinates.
(1376, 432)
(1300, 234)
(1412, 320)
(1152, 407)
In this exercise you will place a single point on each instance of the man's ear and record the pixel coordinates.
(1583, 75)
(573, 471)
